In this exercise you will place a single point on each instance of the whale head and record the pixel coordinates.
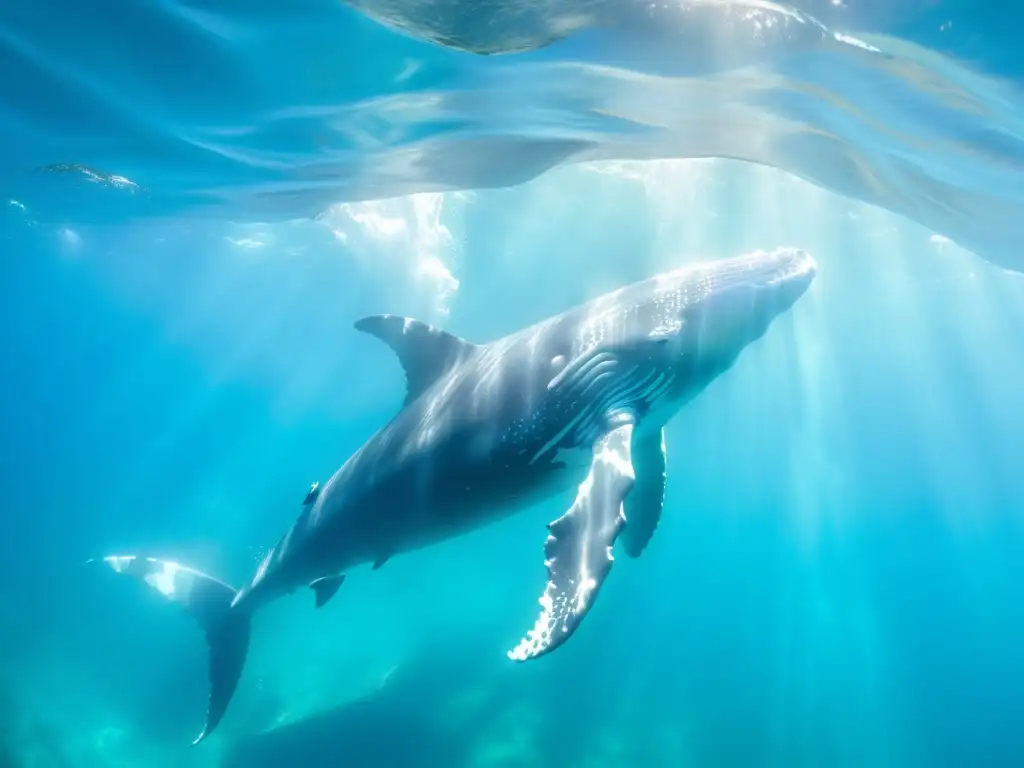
(678, 331)
(725, 305)
(719, 308)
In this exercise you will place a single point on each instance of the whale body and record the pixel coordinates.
(579, 400)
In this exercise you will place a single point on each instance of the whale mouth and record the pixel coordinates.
(787, 265)
(773, 280)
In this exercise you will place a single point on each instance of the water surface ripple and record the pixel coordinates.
(275, 109)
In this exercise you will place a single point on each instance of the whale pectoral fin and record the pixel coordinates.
(425, 352)
(643, 505)
(578, 551)
(325, 588)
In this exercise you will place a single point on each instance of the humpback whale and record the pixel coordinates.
(579, 400)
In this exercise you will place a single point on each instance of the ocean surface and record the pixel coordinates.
(200, 198)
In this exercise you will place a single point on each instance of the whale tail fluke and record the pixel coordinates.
(229, 643)
(209, 602)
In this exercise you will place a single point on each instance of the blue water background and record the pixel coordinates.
(836, 581)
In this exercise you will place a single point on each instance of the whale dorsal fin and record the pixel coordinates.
(425, 352)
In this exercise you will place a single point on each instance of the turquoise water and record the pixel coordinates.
(197, 218)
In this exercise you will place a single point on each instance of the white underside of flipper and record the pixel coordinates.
(578, 551)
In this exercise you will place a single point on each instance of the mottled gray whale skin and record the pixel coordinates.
(576, 401)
